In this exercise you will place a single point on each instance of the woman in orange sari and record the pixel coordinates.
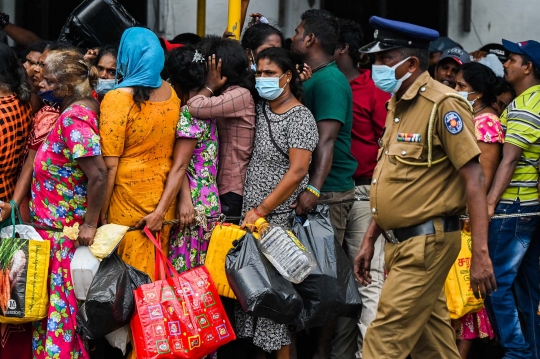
(138, 132)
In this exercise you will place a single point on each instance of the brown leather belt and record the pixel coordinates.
(450, 224)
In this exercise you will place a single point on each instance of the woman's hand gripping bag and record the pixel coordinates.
(180, 315)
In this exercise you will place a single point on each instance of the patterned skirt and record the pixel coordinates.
(473, 325)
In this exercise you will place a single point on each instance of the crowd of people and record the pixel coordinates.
(399, 137)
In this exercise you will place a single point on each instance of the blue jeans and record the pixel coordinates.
(514, 249)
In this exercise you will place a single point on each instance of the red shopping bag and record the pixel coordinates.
(179, 316)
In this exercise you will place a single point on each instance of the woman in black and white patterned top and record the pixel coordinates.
(285, 136)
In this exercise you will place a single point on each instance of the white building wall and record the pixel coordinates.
(514, 20)
(178, 16)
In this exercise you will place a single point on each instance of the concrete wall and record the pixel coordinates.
(515, 20)
(8, 6)
(178, 16)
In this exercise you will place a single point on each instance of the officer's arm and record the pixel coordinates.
(503, 176)
(482, 278)
(324, 152)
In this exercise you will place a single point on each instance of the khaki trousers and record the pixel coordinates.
(412, 317)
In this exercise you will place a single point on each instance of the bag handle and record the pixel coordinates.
(159, 268)
(14, 214)
(171, 270)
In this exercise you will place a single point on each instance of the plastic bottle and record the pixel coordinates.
(83, 269)
(285, 252)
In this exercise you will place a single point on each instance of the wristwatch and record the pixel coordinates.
(4, 20)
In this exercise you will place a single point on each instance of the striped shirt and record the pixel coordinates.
(521, 123)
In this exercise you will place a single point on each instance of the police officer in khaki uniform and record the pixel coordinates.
(427, 173)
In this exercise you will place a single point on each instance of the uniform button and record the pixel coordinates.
(403, 153)
(386, 152)
(396, 120)
(374, 181)
(374, 210)
(422, 89)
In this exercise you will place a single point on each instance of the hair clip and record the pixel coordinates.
(197, 57)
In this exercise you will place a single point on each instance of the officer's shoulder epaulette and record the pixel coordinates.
(434, 91)
(438, 93)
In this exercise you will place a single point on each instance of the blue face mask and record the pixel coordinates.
(253, 67)
(385, 77)
(49, 99)
(105, 85)
(268, 87)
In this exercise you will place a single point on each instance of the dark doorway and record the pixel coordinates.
(428, 13)
(46, 17)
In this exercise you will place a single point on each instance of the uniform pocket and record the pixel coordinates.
(407, 152)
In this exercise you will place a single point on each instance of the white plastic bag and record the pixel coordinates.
(119, 338)
(24, 231)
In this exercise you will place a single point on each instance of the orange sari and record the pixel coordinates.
(144, 142)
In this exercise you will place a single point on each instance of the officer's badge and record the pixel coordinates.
(453, 122)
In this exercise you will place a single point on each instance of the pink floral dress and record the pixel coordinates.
(58, 198)
(188, 248)
(488, 129)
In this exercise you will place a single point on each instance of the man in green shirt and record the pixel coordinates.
(513, 247)
(328, 95)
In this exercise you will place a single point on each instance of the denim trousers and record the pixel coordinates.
(514, 248)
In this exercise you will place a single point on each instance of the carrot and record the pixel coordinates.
(7, 286)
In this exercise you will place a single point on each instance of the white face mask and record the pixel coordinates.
(466, 94)
(104, 85)
(385, 77)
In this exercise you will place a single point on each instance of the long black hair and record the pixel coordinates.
(234, 61)
(482, 79)
(256, 35)
(183, 71)
(13, 76)
(285, 61)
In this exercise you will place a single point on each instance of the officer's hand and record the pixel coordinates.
(482, 278)
(306, 202)
(362, 263)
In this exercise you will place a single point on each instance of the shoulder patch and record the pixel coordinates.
(453, 122)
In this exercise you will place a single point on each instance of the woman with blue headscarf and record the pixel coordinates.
(138, 131)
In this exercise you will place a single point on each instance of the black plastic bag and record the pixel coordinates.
(330, 290)
(258, 286)
(110, 302)
(96, 23)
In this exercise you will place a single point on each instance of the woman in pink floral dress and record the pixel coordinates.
(67, 188)
(478, 84)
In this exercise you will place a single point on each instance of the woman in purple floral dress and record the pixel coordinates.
(194, 169)
(67, 188)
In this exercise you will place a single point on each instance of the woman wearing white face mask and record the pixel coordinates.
(478, 84)
(106, 66)
(285, 136)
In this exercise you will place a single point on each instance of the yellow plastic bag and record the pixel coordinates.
(107, 239)
(459, 294)
(223, 236)
(24, 294)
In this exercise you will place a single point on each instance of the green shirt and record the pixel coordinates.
(328, 95)
(521, 123)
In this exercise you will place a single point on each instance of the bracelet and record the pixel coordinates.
(209, 89)
(313, 190)
(88, 225)
(257, 212)
(4, 20)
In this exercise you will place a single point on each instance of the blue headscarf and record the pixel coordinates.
(140, 58)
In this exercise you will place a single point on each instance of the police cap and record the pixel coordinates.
(391, 34)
